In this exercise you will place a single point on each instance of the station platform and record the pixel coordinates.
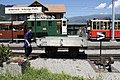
(104, 43)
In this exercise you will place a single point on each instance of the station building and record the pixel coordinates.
(18, 20)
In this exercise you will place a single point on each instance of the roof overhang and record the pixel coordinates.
(37, 4)
(14, 23)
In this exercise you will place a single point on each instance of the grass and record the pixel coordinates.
(42, 74)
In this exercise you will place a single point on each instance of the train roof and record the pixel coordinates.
(46, 19)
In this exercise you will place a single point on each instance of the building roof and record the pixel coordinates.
(37, 3)
(14, 23)
(55, 8)
(50, 8)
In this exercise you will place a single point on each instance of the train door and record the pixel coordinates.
(59, 27)
(52, 29)
(44, 28)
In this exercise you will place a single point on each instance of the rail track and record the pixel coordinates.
(86, 48)
(65, 55)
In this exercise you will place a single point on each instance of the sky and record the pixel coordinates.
(75, 7)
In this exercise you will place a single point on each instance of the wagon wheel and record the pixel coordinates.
(74, 52)
(51, 52)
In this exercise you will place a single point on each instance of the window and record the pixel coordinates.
(39, 23)
(20, 18)
(64, 23)
(49, 23)
(94, 25)
(98, 25)
(103, 25)
(118, 25)
(110, 25)
(32, 23)
(4, 28)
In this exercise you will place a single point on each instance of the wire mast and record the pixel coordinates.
(113, 19)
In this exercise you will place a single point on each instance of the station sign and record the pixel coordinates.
(100, 35)
(22, 10)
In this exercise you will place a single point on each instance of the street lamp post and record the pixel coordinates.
(35, 27)
(12, 27)
(35, 15)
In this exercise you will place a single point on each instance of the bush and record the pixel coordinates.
(5, 52)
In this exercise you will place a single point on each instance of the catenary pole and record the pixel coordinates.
(113, 19)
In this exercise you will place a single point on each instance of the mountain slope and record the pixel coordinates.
(83, 19)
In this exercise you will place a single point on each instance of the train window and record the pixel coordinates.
(88, 23)
(94, 25)
(97, 25)
(20, 17)
(118, 25)
(102, 25)
(5, 28)
(64, 23)
(105, 24)
(110, 25)
(32, 23)
(39, 23)
(49, 23)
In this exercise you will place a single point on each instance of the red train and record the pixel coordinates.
(97, 25)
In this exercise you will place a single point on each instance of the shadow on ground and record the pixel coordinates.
(61, 55)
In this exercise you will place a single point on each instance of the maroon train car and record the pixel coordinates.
(14, 30)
